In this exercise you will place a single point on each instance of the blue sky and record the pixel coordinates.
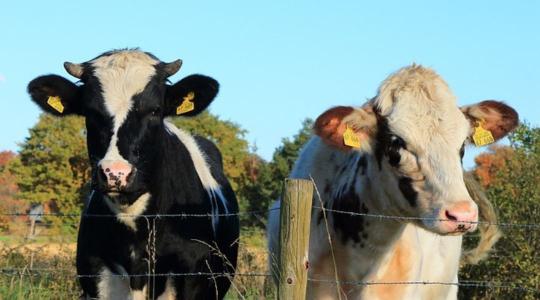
(279, 62)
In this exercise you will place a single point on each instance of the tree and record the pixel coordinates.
(488, 163)
(264, 179)
(8, 190)
(53, 167)
(285, 155)
(512, 176)
(228, 136)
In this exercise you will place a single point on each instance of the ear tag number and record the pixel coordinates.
(350, 138)
(186, 105)
(482, 136)
(55, 103)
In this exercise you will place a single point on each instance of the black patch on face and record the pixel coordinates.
(462, 153)
(406, 188)
(99, 124)
(388, 144)
(382, 138)
(349, 227)
(141, 131)
(394, 158)
(396, 144)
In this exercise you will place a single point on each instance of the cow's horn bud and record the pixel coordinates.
(75, 70)
(172, 67)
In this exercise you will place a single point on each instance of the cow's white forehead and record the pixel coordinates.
(122, 75)
(420, 107)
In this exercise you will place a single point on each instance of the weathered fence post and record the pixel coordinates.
(295, 218)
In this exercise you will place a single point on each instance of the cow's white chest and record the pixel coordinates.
(128, 214)
(440, 262)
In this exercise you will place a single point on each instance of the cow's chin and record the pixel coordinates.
(123, 199)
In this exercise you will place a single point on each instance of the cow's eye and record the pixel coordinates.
(397, 143)
(155, 112)
(462, 151)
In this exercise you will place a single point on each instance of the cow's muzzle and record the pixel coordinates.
(115, 176)
(460, 217)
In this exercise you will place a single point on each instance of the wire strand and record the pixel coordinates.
(257, 212)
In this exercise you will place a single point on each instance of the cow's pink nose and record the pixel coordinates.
(462, 216)
(116, 173)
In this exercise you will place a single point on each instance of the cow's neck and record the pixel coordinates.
(184, 177)
(353, 182)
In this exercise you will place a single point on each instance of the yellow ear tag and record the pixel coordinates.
(482, 136)
(186, 105)
(55, 103)
(350, 138)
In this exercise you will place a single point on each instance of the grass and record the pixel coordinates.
(48, 268)
(33, 282)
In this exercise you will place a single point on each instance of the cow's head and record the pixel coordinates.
(416, 134)
(124, 96)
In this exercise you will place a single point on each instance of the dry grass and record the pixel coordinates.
(46, 270)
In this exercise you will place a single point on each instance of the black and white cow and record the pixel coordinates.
(144, 165)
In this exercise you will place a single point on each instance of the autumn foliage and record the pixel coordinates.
(8, 190)
(489, 163)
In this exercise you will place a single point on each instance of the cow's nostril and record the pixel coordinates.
(449, 216)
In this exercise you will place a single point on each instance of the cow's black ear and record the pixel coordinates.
(190, 96)
(55, 94)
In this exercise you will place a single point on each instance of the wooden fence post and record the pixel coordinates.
(295, 219)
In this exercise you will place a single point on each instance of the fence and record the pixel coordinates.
(292, 273)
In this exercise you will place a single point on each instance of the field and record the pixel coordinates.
(45, 269)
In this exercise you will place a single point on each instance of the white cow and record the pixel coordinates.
(411, 140)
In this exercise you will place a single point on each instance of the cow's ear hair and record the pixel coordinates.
(55, 94)
(494, 116)
(361, 123)
(190, 96)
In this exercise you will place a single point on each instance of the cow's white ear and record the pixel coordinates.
(347, 128)
(491, 117)
(190, 96)
(56, 95)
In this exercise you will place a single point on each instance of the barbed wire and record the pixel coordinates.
(257, 212)
(178, 215)
(41, 272)
(463, 283)
(404, 218)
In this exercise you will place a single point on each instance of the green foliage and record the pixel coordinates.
(513, 189)
(264, 182)
(285, 155)
(228, 136)
(53, 166)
